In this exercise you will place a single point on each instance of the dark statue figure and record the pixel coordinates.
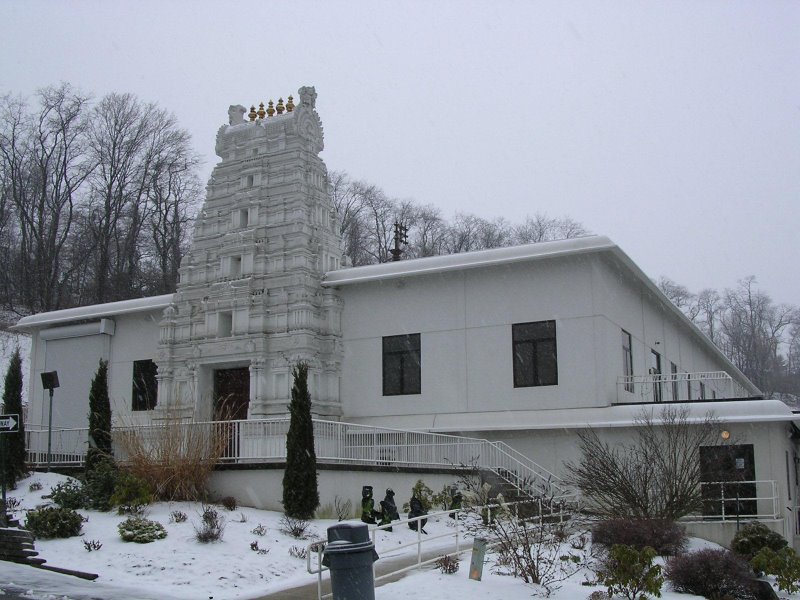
(389, 509)
(368, 512)
(455, 501)
(417, 510)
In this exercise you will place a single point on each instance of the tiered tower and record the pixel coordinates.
(249, 304)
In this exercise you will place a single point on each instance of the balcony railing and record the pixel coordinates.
(679, 387)
(738, 501)
(264, 440)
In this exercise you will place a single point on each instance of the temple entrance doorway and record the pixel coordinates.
(231, 394)
(231, 400)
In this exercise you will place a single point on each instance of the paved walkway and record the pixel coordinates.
(383, 566)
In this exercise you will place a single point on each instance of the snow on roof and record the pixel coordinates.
(468, 260)
(620, 415)
(94, 311)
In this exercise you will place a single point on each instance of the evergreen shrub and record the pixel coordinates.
(131, 490)
(14, 443)
(300, 492)
(100, 482)
(69, 494)
(667, 538)
(53, 522)
(630, 573)
(141, 531)
(753, 537)
(784, 565)
(711, 573)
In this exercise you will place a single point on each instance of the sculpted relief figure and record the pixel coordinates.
(236, 114)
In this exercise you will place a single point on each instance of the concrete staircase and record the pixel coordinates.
(16, 545)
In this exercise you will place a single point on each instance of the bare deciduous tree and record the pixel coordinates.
(656, 476)
(753, 328)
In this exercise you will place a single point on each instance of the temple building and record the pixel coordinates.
(519, 346)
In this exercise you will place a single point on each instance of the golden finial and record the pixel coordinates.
(289, 104)
(253, 113)
(280, 106)
(261, 111)
(270, 110)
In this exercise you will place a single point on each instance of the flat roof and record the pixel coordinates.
(93, 311)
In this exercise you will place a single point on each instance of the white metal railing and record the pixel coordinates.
(543, 510)
(663, 387)
(67, 447)
(738, 500)
(264, 440)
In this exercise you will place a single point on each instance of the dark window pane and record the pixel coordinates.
(401, 365)
(546, 365)
(145, 386)
(535, 355)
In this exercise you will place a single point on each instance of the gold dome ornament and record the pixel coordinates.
(289, 104)
(270, 109)
(253, 113)
(280, 106)
(261, 111)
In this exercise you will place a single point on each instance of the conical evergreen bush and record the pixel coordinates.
(14, 443)
(300, 493)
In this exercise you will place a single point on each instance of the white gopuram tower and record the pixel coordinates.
(249, 305)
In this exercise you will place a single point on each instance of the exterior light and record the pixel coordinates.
(726, 435)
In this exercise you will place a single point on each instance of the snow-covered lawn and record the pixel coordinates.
(179, 567)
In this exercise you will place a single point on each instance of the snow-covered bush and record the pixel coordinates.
(447, 564)
(141, 531)
(53, 522)
(753, 537)
(211, 526)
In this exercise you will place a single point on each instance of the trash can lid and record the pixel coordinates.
(354, 533)
(345, 547)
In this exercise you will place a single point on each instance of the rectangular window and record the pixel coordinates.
(702, 391)
(655, 372)
(236, 266)
(535, 356)
(627, 360)
(401, 365)
(224, 324)
(145, 386)
(673, 370)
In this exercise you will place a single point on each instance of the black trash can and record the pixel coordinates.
(349, 555)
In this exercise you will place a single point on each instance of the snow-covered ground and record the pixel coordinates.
(179, 567)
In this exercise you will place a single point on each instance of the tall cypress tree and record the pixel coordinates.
(14, 443)
(300, 493)
(99, 418)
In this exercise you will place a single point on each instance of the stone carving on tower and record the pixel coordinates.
(250, 300)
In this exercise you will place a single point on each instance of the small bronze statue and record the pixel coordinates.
(417, 510)
(368, 512)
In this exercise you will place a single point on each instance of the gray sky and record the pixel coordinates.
(672, 127)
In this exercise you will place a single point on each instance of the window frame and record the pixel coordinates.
(149, 399)
(531, 375)
(409, 356)
(627, 360)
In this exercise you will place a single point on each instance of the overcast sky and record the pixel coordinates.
(672, 127)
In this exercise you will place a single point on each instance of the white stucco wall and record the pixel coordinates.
(134, 337)
(464, 319)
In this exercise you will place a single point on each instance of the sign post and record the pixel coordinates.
(50, 382)
(8, 424)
